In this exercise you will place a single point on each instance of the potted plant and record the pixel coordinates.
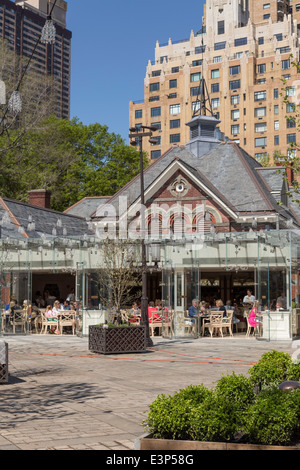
(116, 339)
(252, 413)
(118, 278)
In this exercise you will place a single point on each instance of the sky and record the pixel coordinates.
(111, 44)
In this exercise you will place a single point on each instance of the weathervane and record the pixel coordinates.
(202, 96)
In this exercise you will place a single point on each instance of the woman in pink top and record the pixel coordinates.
(51, 316)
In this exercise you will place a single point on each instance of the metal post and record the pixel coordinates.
(138, 134)
(144, 299)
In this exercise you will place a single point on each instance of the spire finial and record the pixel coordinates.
(203, 97)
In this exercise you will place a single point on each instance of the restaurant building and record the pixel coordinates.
(217, 224)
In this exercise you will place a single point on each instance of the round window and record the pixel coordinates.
(179, 187)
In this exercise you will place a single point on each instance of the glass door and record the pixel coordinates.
(15, 291)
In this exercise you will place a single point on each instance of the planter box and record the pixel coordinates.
(116, 340)
(146, 442)
(3, 362)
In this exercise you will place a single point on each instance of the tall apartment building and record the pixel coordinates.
(243, 51)
(21, 23)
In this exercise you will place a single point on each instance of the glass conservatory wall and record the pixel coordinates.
(267, 260)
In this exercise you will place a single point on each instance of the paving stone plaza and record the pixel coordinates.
(61, 396)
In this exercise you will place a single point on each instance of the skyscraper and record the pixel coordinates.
(21, 23)
(243, 51)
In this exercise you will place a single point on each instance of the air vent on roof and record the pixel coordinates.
(207, 131)
(194, 132)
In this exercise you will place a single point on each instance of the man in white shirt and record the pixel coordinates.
(249, 298)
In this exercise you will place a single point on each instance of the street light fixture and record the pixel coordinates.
(136, 138)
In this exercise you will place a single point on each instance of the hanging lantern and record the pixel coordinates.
(48, 32)
(2, 92)
(15, 103)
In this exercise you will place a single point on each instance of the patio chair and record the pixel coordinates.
(3, 321)
(52, 322)
(19, 318)
(215, 321)
(67, 319)
(249, 327)
(124, 316)
(37, 321)
(155, 321)
(189, 324)
(227, 321)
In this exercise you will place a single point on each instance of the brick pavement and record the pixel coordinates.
(61, 396)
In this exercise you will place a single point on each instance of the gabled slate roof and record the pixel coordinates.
(17, 218)
(86, 206)
(227, 170)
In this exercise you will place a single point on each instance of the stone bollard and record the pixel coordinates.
(3, 362)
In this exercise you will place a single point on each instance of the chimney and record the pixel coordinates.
(289, 172)
(40, 198)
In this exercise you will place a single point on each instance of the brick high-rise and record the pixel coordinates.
(21, 23)
(244, 52)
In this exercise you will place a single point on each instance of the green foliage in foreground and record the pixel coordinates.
(273, 368)
(232, 409)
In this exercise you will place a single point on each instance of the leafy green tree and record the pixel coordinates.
(70, 159)
(291, 159)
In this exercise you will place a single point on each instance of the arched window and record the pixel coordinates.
(204, 222)
(154, 226)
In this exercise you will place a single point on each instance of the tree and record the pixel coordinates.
(119, 275)
(70, 159)
(37, 91)
(291, 160)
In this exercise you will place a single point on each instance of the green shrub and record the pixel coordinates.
(271, 368)
(169, 416)
(273, 419)
(236, 389)
(293, 372)
(197, 413)
(215, 420)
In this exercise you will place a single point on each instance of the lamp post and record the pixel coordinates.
(137, 134)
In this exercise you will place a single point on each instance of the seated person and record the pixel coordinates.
(219, 307)
(203, 308)
(51, 316)
(56, 307)
(67, 305)
(152, 312)
(282, 299)
(134, 309)
(49, 312)
(194, 310)
(279, 305)
(228, 306)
